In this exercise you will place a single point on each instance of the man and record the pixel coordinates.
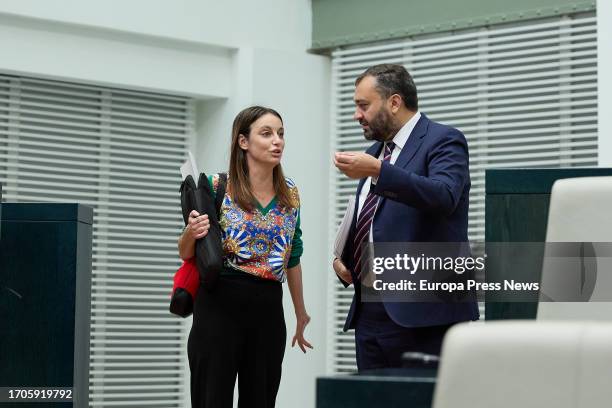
(414, 187)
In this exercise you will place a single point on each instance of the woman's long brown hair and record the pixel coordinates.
(239, 186)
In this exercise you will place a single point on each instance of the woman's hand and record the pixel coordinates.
(302, 321)
(294, 280)
(197, 225)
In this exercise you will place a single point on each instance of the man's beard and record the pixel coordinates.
(381, 127)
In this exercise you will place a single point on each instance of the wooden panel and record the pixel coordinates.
(516, 210)
(414, 388)
(45, 302)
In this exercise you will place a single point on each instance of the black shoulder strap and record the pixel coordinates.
(220, 193)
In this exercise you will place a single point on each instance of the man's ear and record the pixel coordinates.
(395, 103)
(243, 142)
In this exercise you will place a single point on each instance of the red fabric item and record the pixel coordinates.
(187, 277)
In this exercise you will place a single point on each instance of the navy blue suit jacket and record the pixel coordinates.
(424, 197)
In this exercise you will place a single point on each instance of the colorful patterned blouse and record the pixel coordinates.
(263, 242)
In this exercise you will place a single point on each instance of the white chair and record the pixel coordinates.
(526, 364)
(580, 211)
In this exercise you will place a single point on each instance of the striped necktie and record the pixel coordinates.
(366, 215)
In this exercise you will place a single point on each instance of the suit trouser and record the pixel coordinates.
(238, 330)
(380, 342)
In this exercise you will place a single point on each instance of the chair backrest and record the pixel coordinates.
(580, 211)
(510, 364)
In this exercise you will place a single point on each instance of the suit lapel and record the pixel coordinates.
(414, 142)
(409, 150)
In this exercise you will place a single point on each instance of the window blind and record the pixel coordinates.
(118, 151)
(524, 95)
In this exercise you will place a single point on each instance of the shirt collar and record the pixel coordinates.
(402, 135)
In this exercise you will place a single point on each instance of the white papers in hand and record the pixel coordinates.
(343, 229)
(189, 168)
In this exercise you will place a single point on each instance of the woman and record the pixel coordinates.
(239, 328)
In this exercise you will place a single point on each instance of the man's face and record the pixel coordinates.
(372, 113)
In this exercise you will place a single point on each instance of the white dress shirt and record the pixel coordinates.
(399, 140)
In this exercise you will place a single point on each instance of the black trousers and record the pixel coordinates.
(238, 330)
(380, 342)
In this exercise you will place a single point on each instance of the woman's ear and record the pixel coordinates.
(243, 142)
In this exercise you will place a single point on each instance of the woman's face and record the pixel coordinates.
(266, 141)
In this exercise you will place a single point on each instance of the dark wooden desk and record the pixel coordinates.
(405, 388)
(516, 210)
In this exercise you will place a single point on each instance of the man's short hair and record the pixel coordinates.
(393, 79)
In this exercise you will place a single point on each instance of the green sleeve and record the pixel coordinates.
(297, 247)
(210, 184)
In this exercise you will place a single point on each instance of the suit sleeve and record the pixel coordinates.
(441, 189)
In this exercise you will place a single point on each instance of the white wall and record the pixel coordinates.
(228, 55)
(104, 57)
(275, 24)
(604, 79)
(304, 107)
(181, 46)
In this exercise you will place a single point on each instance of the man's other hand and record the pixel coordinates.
(357, 165)
(342, 272)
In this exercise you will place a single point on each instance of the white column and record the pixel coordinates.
(604, 68)
(297, 85)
